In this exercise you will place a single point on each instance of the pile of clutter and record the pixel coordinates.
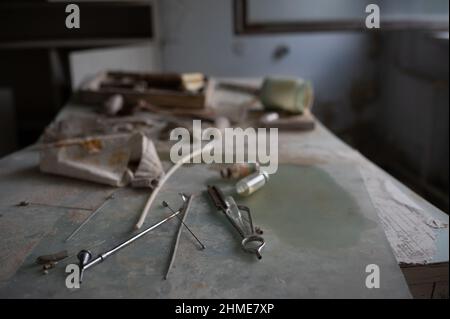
(115, 144)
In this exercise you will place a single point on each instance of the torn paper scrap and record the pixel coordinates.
(84, 125)
(116, 160)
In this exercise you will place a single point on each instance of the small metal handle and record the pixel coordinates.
(84, 257)
(253, 244)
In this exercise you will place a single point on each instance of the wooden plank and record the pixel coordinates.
(92, 92)
(427, 281)
(440, 290)
(422, 274)
(156, 97)
(422, 291)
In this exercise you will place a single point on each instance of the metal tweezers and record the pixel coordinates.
(251, 242)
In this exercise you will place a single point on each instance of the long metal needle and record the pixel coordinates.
(85, 263)
(175, 246)
(26, 203)
(89, 218)
(181, 220)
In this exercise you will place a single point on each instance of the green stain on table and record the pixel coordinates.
(304, 206)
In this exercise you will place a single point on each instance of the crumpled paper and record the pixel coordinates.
(84, 125)
(116, 160)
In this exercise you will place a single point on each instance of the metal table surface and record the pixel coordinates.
(309, 253)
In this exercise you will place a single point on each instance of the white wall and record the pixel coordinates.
(197, 35)
(139, 57)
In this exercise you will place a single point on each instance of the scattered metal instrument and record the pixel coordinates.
(251, 241)
(76, 230)
(175, 247)
(26, 203)
(239, 170)
(85, 260)
(52, 260)
(186, 209)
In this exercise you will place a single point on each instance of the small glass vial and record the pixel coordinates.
(252, 183)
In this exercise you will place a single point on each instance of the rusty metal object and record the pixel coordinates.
(239, 170)
(50, 261)
(51, 258)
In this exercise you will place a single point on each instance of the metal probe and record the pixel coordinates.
(26, 203)
(85, 256)
(89, 218)
(164, 203)
(175, 246)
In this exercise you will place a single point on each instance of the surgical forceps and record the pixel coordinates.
(251, 241)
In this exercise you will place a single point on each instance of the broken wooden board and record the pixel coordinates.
(92, 92)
